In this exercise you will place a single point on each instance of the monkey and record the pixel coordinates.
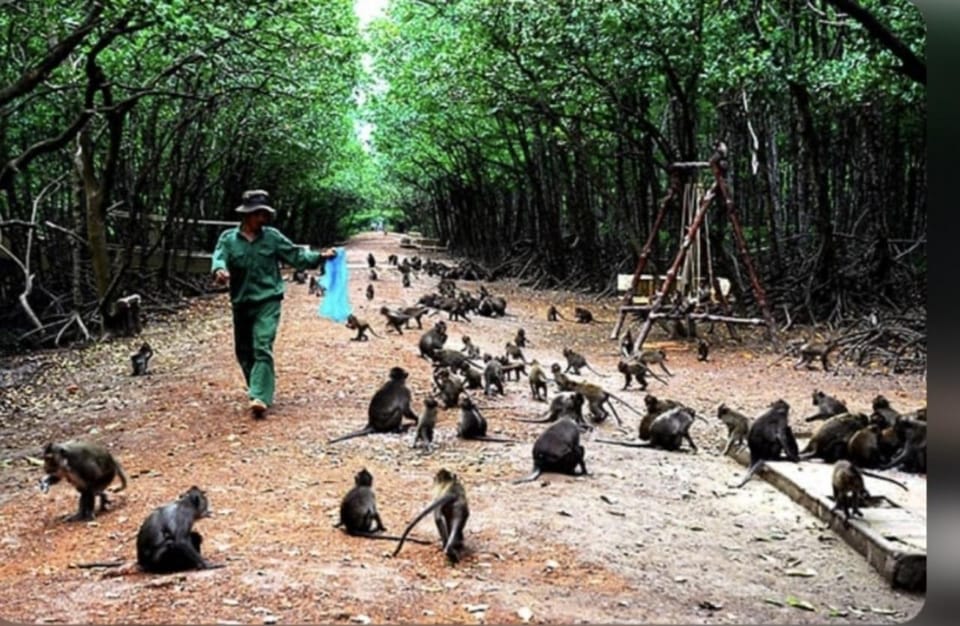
(370, 293)
(848, 489)
(811, 350)
(433, 339)
(371, 261)
(469, 348)
(738, 425)
(667, 431)
(827, 406)
(449, 387)
(89, 467)
(830, 441)
(492, 306)
(655, 407)
(373, 274)
(314, 287)
(141, 359)
(649, 357)
(597, 397)
(583, 315)
(299, 276)
(626, 345)
(389, 405)
(395, 319)
(473, 425)
(703, 349)
(358, 509)
(415, 313)
(553, 314)
(864, 448)
(636, 369)
(392, 259)
(426, 423)
(769, 435)
(406, 280)
(575, 361)
(881, 407)
(492, 375)
(361, 326)
(450, 513)
(512, 367)
(473, 377)
(564, 404)
(538, 381)
(514, 352)
(912, 457)
(454, 359)
(166, 541)
(557, 449)
(521, 339)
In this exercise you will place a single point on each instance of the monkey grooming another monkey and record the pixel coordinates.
(553, 314)
(450, 513)
(738, 425)
(167, 542)
(90, 468)
(575, 361)
(558, 450)
(473, 425)
(389, 405)
(361, 326)
(849, 492)
(769, 435)
(830, 442)
(827, 406)
(141, 359)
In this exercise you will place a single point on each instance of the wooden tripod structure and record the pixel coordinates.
(719, 188)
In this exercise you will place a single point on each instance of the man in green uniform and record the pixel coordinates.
(247, 258)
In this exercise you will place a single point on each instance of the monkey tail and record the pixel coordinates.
(886, 478)
(650, 372)
(374, 334)
(441, 501)
(624, 403)
(358, 433)
(535, 474)
(750, 472)
(596, 372)
(369, 535)
(495, 439)
(626, 444)
(123, 478)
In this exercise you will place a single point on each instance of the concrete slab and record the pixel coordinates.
(892, 534)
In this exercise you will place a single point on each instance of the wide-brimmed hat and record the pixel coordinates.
(255, 200)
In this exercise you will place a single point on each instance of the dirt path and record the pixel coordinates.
(649, 536)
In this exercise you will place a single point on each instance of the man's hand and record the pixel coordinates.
(221, 277)
(328, 253)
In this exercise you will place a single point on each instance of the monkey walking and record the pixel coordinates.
(361, 326)
(395, 319)
(358, 511)
(576, 361)
(166, 542)
(769, 435)
(389, 405)
(738, 425)
(813, 350)
(598, 399)
(636, 369)
(538, 381)
(90, 468)
(141, 359)
(558, 450)
(849, 492)
(649, 357)
(450, 513)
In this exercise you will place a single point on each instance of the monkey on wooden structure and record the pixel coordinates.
(658, 356)
(450, 513)
(576, 361)
(538, 381)
(166, 541)
(553, 314)
(738, 425)
(90, 468)
(371, 261)
(141, 359)
(558, 450)
(703, 349)
(361, 326)
(768, 437)
(473, 425)
(830, 442)
(636, 369)
(521, 339)
(667, 431)
(849, 492)
(395, 319)
(370, 292)
(815, 350)
(827, 406)
(389, 405)
(433, 339)
(426, 424)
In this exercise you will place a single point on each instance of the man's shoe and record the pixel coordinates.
(258, 408)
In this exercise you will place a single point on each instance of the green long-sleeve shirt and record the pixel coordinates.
(253, 265)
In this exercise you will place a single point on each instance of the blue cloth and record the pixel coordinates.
(335, 280)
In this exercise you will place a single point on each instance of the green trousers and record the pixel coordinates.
(254, 329)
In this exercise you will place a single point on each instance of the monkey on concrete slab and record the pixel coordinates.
(830, 442)
(827, 406)
(849, 492)
(768, 437)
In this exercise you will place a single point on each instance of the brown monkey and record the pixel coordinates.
(361, 326)
(433, 339)
(769, 435)
(575, 361)
(598, 399)
(415, 313)
(370, 292)
(553, 314)
(141, 359)
(538, 381)
(389, 405)
(90, 468)
(521, 339)
(830, 441)
(863, 446)
(636, 369)
(827, 406)
(583, 315)
(395, 319)
(738, 425)
(667, 431)
(166, 541)
(450, 513)
(703, 349)
(472, 377)
(426, 424)
(649, 357)
(849, 492)
(557, 449)
(812, 350)
(469, 348)
(512, 367)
